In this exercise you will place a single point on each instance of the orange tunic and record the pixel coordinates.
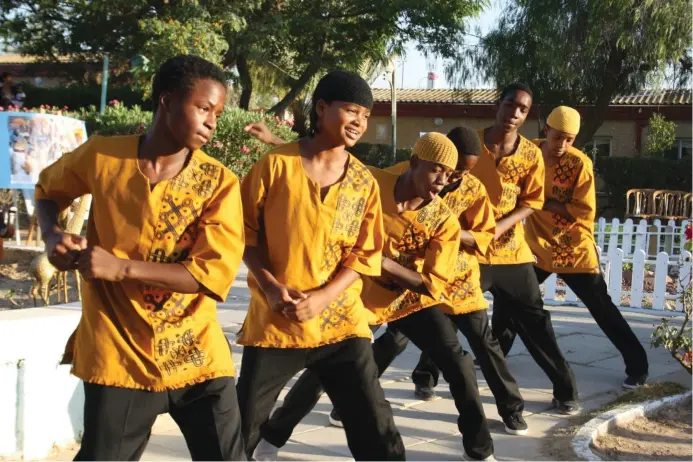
(424, 240)
(511, 181)
(559, 245)
(307, 241)
(132, 335)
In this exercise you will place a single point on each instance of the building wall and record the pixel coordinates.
(622, 133)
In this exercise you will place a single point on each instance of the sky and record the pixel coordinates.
(416, 66)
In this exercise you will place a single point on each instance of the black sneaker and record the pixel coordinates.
(566, 407)
(634, 381)
(476, 365)
(335, 418)
(515, 425)
(424, 393)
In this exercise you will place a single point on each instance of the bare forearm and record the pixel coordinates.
(403, 277)
(467, 240)
(344, 279)
(510, 220)
(254, 262)
(173, 277)
(47, 213)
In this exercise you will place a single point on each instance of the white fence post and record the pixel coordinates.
(684, 277)
(627, 242)
(638, 279)
(641, 236)
(601, 232)
(615, 275)
(669, 237)
(660, 281)
(613, 235)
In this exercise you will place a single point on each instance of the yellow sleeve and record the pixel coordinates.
(532, 189)
(440, 258)
(253, 192)
(216, 254)
(366, 256)
(583, 203)
(479, 221)
(68, 178)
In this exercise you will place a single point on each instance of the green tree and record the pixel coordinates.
(660, 136)
(286, 42)
(582, 52)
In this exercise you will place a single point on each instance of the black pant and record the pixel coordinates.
(591, 289)
(350, 377)
(475, 327)
(118, 421)
(431, 331)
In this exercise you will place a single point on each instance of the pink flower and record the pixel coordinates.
(114, 102)
(2, 108)
(245, 149)
(218, 144)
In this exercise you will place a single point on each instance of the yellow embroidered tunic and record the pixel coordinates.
(132, 335)
(511, 181)
(470, 203)
(306, 242)
(424, 240)
(559, 245)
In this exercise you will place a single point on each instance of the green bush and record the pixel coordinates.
(623, 173)
(81, 96)
(230, 144)
(379, 155)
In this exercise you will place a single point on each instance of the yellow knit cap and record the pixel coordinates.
(436, 147)
(564, 119)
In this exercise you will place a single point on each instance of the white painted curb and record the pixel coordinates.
(608, 420)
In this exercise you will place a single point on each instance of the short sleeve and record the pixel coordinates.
(68, 177)
(478, 219)
(582, 204)
(440, 257)
(216, 254)
(253, 193)
(366, 256)
(532, 188)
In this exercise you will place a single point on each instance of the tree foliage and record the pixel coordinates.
(286, 43)
(582, 52)
(660, 136)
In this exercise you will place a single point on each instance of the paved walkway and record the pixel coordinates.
(429, 429)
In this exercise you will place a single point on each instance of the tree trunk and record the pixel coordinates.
(298, 86)
(593, 118)
(246, 81)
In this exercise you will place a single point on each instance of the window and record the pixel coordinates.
(682, 147)
(598, 147)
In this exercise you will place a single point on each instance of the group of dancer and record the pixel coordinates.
(335, 249)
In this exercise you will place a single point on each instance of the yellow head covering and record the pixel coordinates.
(564, 119)
(436, 147)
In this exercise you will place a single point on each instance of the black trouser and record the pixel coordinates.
(350, 377)
(591, 289)
(428, 329)
(475, 327)
(118, 421)
(518, 308)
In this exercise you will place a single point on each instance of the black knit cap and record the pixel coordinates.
(466, 140)
(345, 86)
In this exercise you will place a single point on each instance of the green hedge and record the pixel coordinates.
(81, 96)
(623, 173)
(379, 155)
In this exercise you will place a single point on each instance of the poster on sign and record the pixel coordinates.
(29, 142)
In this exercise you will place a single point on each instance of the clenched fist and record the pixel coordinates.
(96, 263)
(63, 249)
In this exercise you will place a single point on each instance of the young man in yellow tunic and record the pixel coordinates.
(466, 306)
(512, 169)
(313, 225)
(422, 240)
(164, 242)
(562, 238)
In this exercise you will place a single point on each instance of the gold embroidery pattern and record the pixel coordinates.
(351, 206)
(180, 352)
(406, 299)
(564, 254)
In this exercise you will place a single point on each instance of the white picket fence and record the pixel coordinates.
(656, 271)
(630, 237)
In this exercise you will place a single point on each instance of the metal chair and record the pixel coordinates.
(643, 204)
(671, 205)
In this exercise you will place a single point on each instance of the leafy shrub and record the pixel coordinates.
(379, 155)
(81, 96)
(230, 144)
(623, 173)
